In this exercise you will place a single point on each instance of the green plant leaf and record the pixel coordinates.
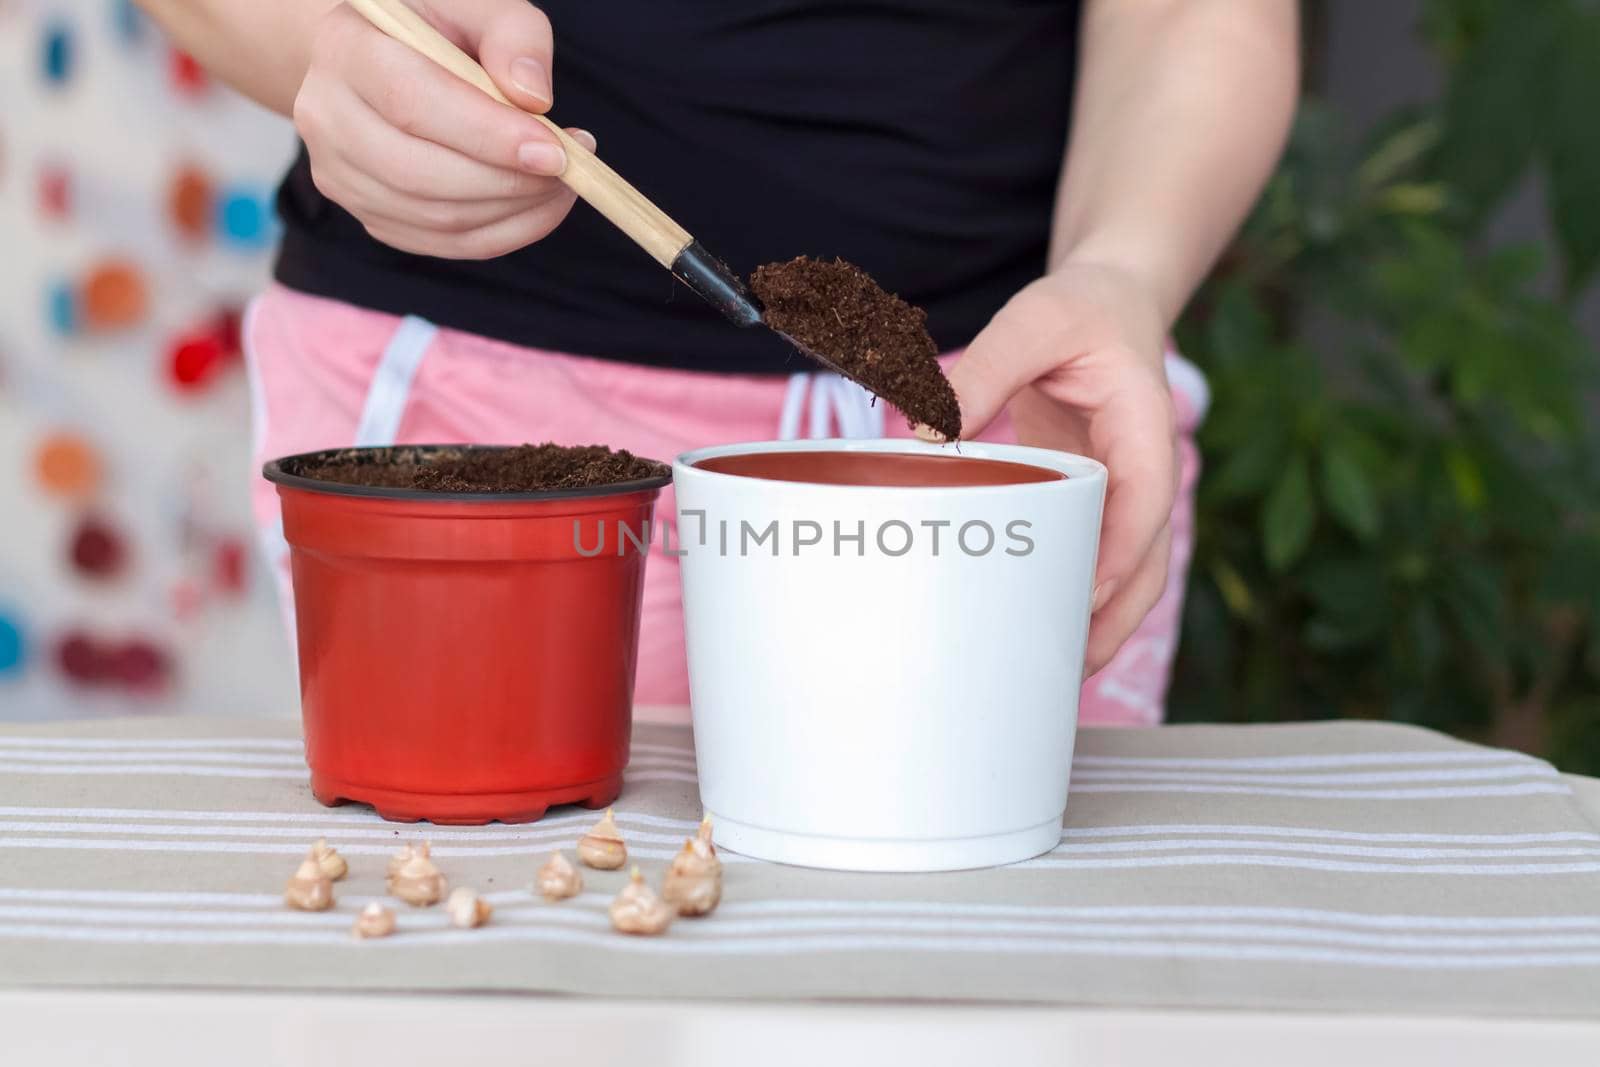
(1248, 469)
(1496, 91)
(1398, 153)
(1512, 266)
(1239, 327)
(1453, 25)
(1572, 146)
(1414, 198)
(1351, 602)
(1465, 477)
(1232, 589)
(1289, 516)
(1350, 495)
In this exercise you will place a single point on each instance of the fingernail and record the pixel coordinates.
(1102, 593)
(929, 434)
(542, 157)
(585, 138)
(532, 77)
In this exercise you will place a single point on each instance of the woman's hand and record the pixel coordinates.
(426, 162)
(1079, 354)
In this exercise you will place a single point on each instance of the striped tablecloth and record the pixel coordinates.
(1341, 866)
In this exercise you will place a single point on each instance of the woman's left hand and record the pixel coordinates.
(1079, 355)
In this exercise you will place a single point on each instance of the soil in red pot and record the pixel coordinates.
(523, 469)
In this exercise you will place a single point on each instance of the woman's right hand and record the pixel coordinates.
(426, 162)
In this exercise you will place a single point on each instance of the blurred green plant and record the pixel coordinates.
(1400, 516)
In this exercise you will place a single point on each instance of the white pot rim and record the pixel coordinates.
(1083, 475)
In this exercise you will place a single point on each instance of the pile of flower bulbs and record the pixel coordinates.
(691, 887)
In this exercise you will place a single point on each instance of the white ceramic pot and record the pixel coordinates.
(892, 704)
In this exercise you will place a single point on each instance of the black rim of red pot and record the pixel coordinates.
(280, 472)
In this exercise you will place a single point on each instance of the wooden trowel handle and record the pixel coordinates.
(603, 188)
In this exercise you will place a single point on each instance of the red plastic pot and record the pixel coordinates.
(461, 660)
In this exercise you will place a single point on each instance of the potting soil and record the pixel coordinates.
(838, 311)
(523, 469)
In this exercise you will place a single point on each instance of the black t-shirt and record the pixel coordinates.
(919, 139)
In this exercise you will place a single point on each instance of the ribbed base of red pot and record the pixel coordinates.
(464, 809)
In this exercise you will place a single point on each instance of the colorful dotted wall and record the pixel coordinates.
(136, 222)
